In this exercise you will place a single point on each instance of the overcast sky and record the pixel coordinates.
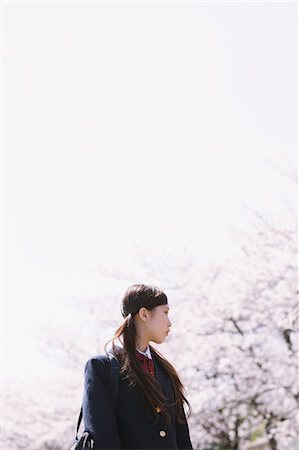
(136, 124)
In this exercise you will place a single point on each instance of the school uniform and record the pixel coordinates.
(131, 424)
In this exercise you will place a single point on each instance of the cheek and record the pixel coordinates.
(164, 322)
(159, 325)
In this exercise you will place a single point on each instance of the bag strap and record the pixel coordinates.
(113, 384)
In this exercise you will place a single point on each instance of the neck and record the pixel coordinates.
(141, 344)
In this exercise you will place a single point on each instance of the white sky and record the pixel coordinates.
(135, 124)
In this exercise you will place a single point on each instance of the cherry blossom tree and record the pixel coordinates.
(233, 341)
(241, 367)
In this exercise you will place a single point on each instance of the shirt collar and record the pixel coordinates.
(146, 353)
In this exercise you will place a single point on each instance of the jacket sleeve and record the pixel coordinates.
(98, 415)
(182, 434)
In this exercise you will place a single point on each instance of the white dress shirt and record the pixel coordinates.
(146, 353)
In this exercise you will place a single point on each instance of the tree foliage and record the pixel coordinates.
(234, 342)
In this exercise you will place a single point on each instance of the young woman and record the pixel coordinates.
(149, 412)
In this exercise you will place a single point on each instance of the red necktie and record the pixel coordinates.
(146, 363)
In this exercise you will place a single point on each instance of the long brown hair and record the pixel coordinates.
(136, 297)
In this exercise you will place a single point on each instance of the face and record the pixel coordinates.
(158, 324)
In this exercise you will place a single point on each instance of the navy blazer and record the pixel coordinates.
(131, 425)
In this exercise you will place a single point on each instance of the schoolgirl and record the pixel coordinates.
(149, 412)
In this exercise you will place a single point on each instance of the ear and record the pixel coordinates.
(144, 314)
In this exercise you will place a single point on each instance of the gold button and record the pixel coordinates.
(158, 409)
(162, 433)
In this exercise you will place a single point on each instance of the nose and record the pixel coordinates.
(169, 323)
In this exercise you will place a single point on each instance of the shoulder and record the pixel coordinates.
(105, 361)
(98, 363)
